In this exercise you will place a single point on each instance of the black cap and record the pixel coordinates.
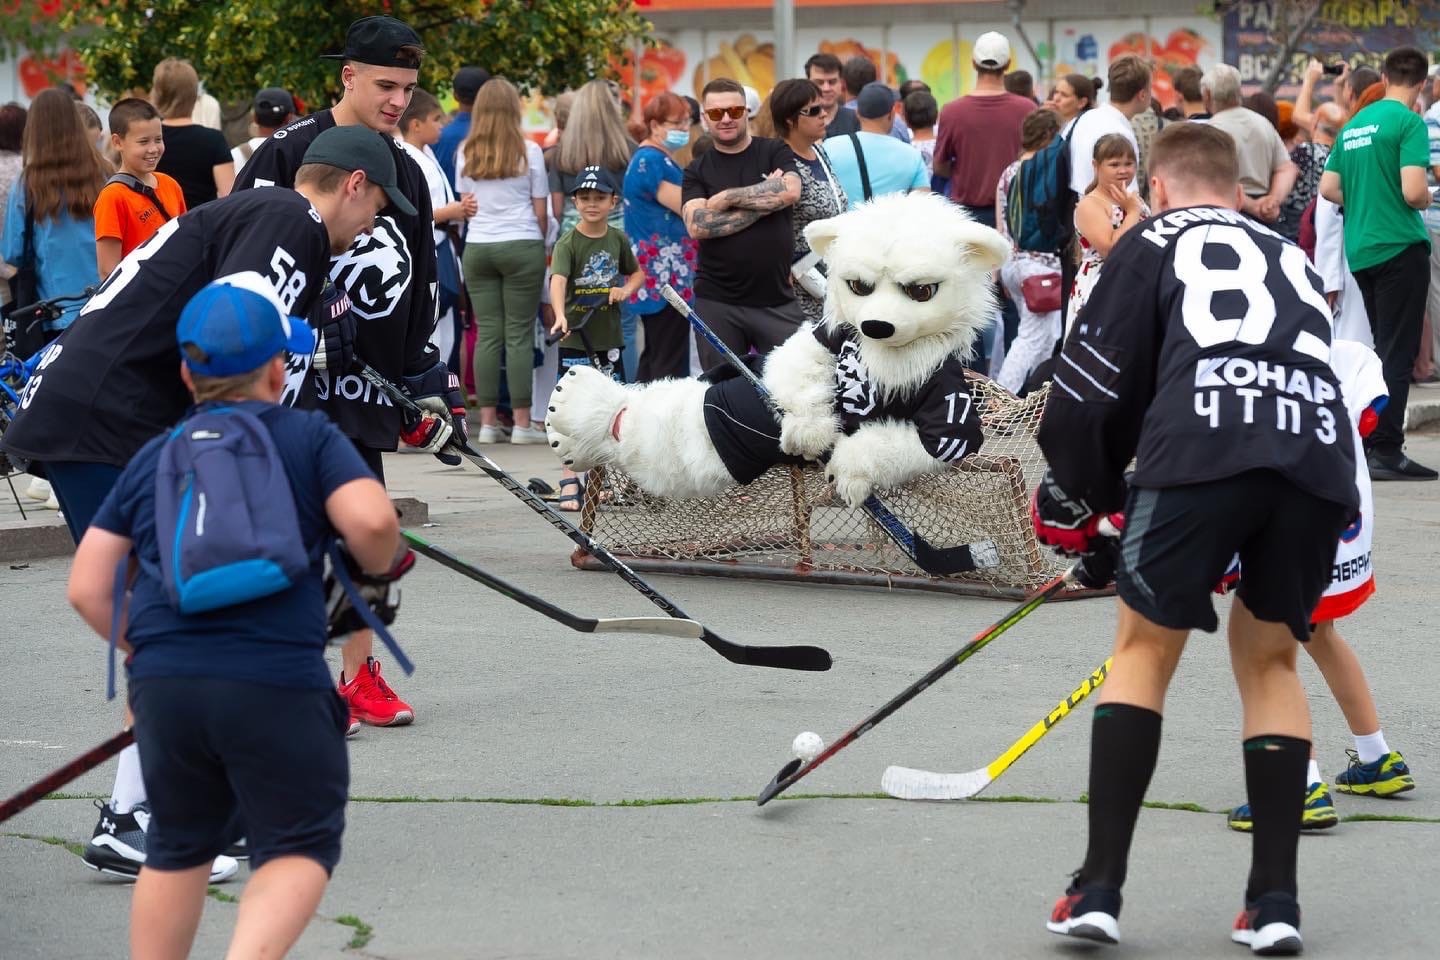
(272, 106)
(377, 41)
(468, 81)
(360, 148)
(594, 178)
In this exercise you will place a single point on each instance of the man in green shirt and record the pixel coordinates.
(1376, 171)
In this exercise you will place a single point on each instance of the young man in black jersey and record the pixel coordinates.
(1203, 354)
(112, 380)
(383, 309)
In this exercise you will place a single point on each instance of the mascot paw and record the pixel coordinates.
(849, 472)
(807, 437)
(581, 418)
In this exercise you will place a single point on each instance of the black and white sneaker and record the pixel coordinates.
(1087, 912)
(1270, 926)
(117, 847)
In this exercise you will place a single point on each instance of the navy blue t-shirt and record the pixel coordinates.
(277, 640)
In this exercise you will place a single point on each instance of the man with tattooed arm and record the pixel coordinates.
(737, 199)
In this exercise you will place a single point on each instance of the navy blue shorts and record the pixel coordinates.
(227, 758)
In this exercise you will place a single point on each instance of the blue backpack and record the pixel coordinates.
(225, 520)
(1039, 207)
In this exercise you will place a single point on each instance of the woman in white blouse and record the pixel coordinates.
(504, 252)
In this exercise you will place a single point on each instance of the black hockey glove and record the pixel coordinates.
(1069, 527)
(438, 390)
(374, 589)
(334, 324)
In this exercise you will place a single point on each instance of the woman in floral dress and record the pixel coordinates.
(1103, 215)
(664, 249)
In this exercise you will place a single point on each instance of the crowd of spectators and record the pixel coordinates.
(713, 196)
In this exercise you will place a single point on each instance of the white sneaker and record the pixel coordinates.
(489, 433)
(39, 489)
(528, 435)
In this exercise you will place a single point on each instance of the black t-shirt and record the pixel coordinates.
(940, 408)
(192, 153)
(846, 121)
(112, 379)
(752, 267)
(1202, 352)
(390, 275)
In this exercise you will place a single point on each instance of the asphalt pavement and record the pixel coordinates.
(564, 795)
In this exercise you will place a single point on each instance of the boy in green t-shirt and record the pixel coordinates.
(592, 271)
(1376, 171)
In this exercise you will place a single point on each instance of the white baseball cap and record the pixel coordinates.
(991, 51)
(752, 101)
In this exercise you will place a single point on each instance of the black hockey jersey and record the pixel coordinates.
(112, 379)
(390, 276)
(1202, 352)
(940, 409)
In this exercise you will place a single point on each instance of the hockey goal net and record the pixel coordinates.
(787, 525)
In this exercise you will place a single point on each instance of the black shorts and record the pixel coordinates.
(227, 758)
(1179, 541)
(744, 432)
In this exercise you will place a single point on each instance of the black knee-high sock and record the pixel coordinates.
(1275, 783)
(1124, 742)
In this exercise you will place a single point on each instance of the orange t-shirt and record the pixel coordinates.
(130, 217)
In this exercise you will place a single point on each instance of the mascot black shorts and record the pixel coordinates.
(745, 433)
(1179, 541)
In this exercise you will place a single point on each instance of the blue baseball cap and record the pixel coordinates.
(237, 323)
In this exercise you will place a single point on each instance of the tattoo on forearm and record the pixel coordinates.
(767, 195)
(708, 224)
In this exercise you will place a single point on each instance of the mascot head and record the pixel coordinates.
(909, 275)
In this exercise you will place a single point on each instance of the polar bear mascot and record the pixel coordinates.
(878, 389)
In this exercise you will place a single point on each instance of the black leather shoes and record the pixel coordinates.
(1396, 466)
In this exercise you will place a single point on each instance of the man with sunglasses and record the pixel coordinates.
(737, 198)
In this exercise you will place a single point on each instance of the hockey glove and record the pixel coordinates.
(334, 324)
(1069, 527)
(1100, 562)
(429, 433)
(438, 390)
(374, 590)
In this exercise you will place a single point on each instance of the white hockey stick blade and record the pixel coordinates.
(904, 783)
(661, 626)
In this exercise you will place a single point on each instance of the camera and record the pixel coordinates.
(1334, 69)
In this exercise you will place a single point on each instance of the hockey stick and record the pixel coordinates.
(905, 783)
(797, 769)
(782, 658)
(936, 561)
(660, 626)
(51, 782)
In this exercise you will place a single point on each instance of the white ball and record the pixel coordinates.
(807, 746)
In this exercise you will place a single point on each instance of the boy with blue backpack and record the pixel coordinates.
(221, 526)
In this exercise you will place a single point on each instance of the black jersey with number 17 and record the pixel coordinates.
(112, 379)
(389, 275)
(1203, 352)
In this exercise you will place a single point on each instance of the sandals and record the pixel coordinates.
(572, 495)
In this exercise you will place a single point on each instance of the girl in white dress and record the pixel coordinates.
(1107, 211)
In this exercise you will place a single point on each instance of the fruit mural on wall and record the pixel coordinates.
(892, 73)
(746, 60)
(661, 68)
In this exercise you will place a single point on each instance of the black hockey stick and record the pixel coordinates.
(796, 769)
(783, 658)
(661, 626)
(936, 561)
(51, 782)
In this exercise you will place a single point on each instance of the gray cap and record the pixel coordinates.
(360, 148)
(875, 101)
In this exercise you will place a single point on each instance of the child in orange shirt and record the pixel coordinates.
(137, 201)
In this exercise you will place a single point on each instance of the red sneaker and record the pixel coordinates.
(372, 701)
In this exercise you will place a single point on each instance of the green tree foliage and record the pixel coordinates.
(545, 45)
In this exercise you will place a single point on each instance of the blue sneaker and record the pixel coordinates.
(1384, 777)
(1317, 814)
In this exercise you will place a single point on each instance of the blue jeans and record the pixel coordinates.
(630, 355)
